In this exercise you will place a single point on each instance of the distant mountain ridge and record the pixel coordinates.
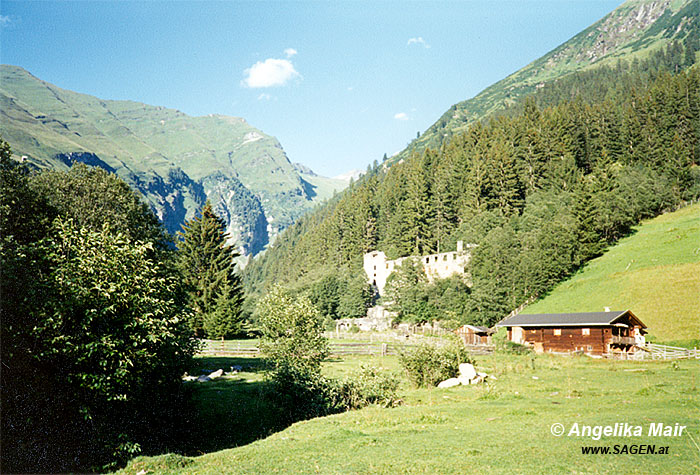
(632, 31)
(175, 161)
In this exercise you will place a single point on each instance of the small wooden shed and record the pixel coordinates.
(593, 333)
(474, 335)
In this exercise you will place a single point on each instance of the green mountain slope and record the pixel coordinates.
(655, 273)
(174, 160)
(635, 30)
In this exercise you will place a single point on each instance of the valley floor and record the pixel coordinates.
(505, 426)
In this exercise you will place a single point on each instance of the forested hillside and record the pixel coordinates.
(542, 190)
(175, 162)
(633, 32)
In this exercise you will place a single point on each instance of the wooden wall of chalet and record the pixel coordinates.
(567, 339)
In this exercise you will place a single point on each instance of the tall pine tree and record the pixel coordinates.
(208, 267)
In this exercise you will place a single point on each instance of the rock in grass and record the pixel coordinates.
(448, 383)
(216, 374)
(467, 371)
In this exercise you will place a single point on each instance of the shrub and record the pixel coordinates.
(107, 339)
(427, 365)
(292, 341)
(301, 395)
(370, 386)
(515, 348)
(291, 332)
(503, 344)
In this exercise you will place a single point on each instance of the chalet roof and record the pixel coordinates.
(568, 319)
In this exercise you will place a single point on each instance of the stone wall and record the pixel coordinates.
(442, 265)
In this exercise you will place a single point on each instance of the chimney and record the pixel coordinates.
(460, 246)
(607, 309)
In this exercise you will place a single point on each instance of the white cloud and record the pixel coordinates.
(401, 116)
(5, 21)
(264, 97)
(417, 41)
(289, 52)
(270, 73)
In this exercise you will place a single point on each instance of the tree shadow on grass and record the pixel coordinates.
(230, 411)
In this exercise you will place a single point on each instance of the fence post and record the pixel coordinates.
(384, 349)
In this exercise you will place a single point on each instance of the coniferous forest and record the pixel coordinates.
(541, 189)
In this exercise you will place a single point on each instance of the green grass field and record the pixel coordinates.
(655, 272)
(500, 427)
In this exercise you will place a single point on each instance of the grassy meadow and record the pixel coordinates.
(499, 427)
(655, 272)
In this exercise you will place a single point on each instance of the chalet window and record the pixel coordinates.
(533, 331)
(427, 259)
(557, 332)
(590, 348)
(585, 331)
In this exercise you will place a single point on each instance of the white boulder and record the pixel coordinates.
(216, 374)
(448, 383)
(467, 371)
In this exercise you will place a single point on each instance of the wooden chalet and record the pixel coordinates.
(593, 333)
(474, 335)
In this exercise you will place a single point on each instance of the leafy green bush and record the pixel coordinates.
(370, 385)
(93, 326)
(301, 395)
(515, 348)
(291, 333)
(292, 341)
(427, 365)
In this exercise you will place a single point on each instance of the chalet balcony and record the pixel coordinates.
(622, 340)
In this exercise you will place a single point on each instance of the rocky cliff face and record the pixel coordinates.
(242, 211)
(175, 161)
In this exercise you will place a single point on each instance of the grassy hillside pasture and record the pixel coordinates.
(655, 272)
(502, 427)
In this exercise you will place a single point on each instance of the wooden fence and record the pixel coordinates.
(229, 348)
(665, 352)
(243, 348)
(250, 348)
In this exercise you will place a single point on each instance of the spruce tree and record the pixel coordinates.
(208, 268)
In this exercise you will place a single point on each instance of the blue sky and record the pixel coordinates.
(338, 83)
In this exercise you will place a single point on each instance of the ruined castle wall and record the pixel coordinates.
(442, 265)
